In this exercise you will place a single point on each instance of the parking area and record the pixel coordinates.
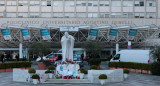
(134, 79)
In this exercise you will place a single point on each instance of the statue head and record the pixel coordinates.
(66, 34)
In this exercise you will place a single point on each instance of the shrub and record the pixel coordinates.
(51, 68)
(32, 70)
(2, 66)
(155, 68)
(94, 61)
(48, 71)
(93, 67)
(47, 62)
(126, 71)
(83, 71)
(103, 76)
(35, 77)
(7, 65)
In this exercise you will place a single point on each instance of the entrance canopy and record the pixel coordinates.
(80, 33)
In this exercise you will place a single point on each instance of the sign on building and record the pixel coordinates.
(132, 33)
(25, 34)
(45, 34)
(6, 34)
(69, 28)
(112, 34)
(93, 34)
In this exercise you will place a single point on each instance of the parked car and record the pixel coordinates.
(51, 57)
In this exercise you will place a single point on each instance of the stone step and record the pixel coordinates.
(66, 81)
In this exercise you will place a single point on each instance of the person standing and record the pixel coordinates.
(17, 57)
(2, 57)
(82, 57)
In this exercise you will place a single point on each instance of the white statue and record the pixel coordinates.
(67, 43)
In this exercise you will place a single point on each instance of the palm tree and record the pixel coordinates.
(155, 52)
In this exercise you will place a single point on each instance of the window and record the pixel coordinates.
(92, 15)
(127, 3)
(34, 3)
(46, 15)
(11, 3)
(34, 15)
(43, 2)
(58, 15)
(150, 15)
(81, 15)
(115, 15)
(22, 3)
(139, 15)
(48, 3)
(69, 3)
(103, 15)
(58, 3)
(2, 3)
(139, 3)
(11, 15)
(22, 15)
(69, 15)
(116, 3)
(151, 3)
(81, 3)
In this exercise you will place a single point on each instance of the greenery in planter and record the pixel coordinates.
(141, 66)
(32, 70)
(2, 66)
(83, 71)
(51, 68)
(93, 67)
(155, 68)
(94, 61)
(40, 49)
(126, 71)
(47, 62)
(35, 76)
(103, 76)
(48, 71)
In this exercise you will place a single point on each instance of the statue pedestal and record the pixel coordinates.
(68, 71)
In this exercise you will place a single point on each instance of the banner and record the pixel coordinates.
(93, 34)
(69, 28)
(129, 45)
(6, 34)
(112, 34)
(25, 34)
(45, 34)
(132, 33)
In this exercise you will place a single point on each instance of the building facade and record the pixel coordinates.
(104, 15)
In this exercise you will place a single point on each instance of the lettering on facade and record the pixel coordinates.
(72, 22)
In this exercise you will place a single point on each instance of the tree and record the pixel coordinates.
(155, 52)
(39, 48)
(93, 48)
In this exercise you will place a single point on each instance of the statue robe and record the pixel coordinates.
(67, 47)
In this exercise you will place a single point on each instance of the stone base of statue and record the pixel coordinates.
(67, 70)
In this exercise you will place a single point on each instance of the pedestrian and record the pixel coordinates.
(2, 57)
(82, 57)
(17, 57)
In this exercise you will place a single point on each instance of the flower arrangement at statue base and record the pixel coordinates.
(67, 70)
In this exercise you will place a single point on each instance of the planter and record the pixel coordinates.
(9, 70)
(41, 66)
(2, 70)
(23, 68)
(102, 81)
(35, 81)
(125, 75)
(81, 75)
(50, 75)
(45, 77)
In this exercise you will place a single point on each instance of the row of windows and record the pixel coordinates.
(79, 3)
(81, 15)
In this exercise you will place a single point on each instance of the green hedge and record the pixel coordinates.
(15, 65)
(141, 66)
(155, 68)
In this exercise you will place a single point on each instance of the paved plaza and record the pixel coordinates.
(134, 79)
